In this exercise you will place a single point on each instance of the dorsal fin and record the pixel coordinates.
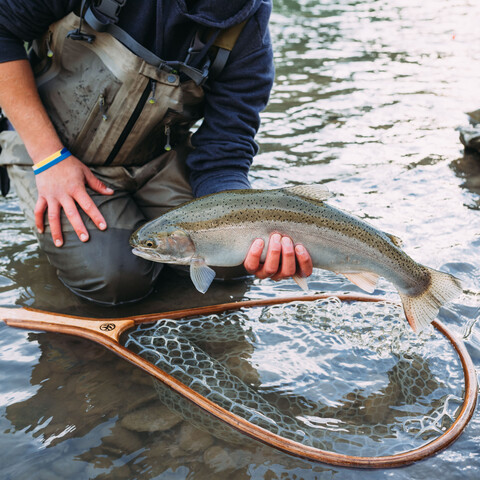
(313, 192)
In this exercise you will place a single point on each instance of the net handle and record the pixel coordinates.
(107, 332)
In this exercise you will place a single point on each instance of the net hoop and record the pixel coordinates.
(93, 329)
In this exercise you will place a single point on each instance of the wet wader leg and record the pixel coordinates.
(102, 270)
(163, 183)
(109, 275)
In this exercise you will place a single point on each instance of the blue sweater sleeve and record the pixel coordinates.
(224, 143)
(25, 20)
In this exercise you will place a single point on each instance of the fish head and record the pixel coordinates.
(166, 245)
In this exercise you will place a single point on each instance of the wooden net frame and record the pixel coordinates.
(107, 332)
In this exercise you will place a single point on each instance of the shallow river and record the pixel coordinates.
(367, 99)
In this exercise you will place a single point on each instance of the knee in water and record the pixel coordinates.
(105, 275)
(116, 286)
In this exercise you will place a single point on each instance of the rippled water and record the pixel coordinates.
(367, 99)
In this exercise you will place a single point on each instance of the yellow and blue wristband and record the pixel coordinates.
(50, 161)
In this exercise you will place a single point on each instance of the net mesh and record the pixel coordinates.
(349, 378)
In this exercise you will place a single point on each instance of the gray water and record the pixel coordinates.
(367, 99)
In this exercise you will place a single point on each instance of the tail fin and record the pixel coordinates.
(421, 310)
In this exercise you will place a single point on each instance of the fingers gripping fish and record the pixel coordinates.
(217, 230)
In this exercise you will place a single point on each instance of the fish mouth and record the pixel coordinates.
(144, 254)
(154, 256)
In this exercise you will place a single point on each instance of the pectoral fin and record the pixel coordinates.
(201, 274)
(365, 280)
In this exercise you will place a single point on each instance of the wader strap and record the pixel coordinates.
(110, 9)
(225, 43)
(199, 77)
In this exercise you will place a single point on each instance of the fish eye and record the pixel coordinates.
(150, 243)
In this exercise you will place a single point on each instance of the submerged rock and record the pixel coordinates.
(470, 135)
(164, 451)
(218, 459)
(154, 418)
(123, 440)
(194, 440)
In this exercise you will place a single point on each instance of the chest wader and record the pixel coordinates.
(129, 121)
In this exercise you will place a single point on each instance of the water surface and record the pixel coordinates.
(367, 98)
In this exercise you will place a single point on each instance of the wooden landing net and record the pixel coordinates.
(107, 332)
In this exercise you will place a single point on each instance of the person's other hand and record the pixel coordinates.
(63, 187)
(283, 259)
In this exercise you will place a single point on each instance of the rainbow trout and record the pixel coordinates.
(217, 230)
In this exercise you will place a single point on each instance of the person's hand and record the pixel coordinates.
(63, 187)
(283, 259)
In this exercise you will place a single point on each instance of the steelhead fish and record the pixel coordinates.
(218, 229)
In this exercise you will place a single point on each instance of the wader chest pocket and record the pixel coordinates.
(106, 103)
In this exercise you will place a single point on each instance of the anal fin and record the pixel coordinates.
(301, 282)
(365, 280)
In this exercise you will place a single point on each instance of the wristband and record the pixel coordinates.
(50, 161)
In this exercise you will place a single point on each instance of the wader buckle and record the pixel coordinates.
(110, 9)
(79, 35)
